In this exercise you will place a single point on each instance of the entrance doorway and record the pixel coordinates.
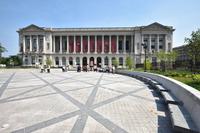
(84, 61)
(98, 61)
(71, 61)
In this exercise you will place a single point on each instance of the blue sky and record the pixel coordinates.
(183, 15)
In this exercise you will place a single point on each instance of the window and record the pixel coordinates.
(152, 46)
(57, 61)
(48, 46)
(121, 61)
(106, 60)
(127, 46)
(120, 46)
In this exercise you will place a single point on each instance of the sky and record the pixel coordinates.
(183, 15)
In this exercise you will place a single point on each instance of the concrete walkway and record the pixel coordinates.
(78, 102)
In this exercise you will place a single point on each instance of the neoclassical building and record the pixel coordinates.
(73, 46)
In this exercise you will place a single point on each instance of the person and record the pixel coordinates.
(113, 69)
(95, 68)
(63, 69)
(78, 68)
(48, 69)
(41, 69)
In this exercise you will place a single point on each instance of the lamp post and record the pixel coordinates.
(145, 58)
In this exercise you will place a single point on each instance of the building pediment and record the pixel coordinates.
(157, 27)
(32, 28)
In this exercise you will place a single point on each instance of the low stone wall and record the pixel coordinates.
(188, 95)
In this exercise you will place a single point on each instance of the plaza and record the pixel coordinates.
(74, 102)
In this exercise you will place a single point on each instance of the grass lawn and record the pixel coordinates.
(184, 76)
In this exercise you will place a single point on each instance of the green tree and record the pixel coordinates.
(48, 62)
(148, 64)
(129, 62)
(171, 58)
(17, 61)
(115, 62)
(162, 56)
(193, 47)
(2, 49)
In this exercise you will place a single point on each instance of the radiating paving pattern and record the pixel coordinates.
(78, 102)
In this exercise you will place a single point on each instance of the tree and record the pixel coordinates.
(129, 62)
(171, 58)
(148, 64)
(193, 47)
(162, 56)
(115, 62)
(17, 61)
(48, 62)
(2, 49)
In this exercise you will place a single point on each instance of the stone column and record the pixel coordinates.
(124, 44)
(81, 44)
(30, 43)
(88, 44)
(141, 47)
(61, 44)
(74, 44)
(54, 44)
(88, 61)
(74, 61)
(102, 62)
(95, 44)
(150, 44)
(95, 60)
(60, 61)
(67, 44)
(102, 44)
(166, 46)
(124, 62)
(132, 44)
(81, 61)
(157, 46)
(109, 61)
(117, 44)
(24, 46)
(110, 44)
(44, 44)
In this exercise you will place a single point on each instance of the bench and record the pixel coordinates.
(160, 88)
(169, 98)
(153, 83)
(181, 120)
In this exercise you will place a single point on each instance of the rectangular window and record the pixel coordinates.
(48, 46)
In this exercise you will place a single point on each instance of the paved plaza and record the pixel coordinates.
(87, 102)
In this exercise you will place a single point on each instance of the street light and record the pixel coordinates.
(145, 58)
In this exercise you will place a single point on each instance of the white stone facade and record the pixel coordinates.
(89, 46)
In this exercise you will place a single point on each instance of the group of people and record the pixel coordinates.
(96, 69)
(44, 68)
(86, 68)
